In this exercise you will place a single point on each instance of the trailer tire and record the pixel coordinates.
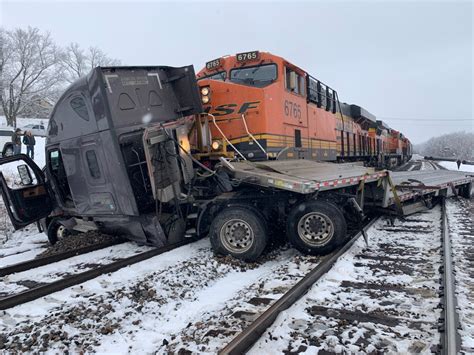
(316, 227)
(465, 191)
(56, 231)
(239, 231)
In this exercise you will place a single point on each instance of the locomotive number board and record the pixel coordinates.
(213, 64)
(247, 56)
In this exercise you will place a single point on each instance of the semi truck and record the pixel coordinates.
(119, 160)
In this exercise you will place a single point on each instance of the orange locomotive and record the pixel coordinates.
(260, 106)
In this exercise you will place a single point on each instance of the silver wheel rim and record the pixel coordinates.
(237, 236)
(8, 152)
(315, 229)
(61, 232)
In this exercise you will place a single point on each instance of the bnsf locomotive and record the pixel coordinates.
(260, 106)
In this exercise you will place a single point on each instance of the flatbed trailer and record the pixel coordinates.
(386, 190)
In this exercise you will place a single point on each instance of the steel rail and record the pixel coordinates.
(450, 339)
(249, 336)
(43, 290)
(34, 263)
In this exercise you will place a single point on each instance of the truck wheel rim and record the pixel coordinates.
(9, 152)
(61, 232)
(315, 229)
(237, 236)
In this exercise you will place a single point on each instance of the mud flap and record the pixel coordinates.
(153, 231)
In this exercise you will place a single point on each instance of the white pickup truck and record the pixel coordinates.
(6, 145)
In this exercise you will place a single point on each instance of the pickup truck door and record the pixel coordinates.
(24, 190)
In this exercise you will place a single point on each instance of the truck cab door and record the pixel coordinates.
(25, 193)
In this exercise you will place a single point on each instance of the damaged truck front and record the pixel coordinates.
(100, 156)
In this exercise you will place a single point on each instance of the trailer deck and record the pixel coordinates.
(303, 176)
(411, 184)
(399, 190)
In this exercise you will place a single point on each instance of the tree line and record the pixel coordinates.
(34, 71)
(459, 145)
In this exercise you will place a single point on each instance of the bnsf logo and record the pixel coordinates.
(228, 109)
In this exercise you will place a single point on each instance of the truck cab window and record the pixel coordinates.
(258, 76)
(294, 82)
(79, 106)
(93, 164)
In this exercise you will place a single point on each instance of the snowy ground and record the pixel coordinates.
(451, 165)
(18, 282)
(381, 298)
(183, 300)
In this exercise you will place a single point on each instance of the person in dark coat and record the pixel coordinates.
(16, 139)
(30, 141)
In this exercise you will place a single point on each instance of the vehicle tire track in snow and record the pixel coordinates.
(381, 298)
(461, 230)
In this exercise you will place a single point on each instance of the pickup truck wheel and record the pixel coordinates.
(8, 152)
(240, 232)
(56, 231)
(316, 227)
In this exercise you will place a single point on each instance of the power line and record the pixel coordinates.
(426, 119)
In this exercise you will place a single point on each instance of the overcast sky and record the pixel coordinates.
(409, 63)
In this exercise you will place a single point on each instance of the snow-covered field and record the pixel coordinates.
(451, 165)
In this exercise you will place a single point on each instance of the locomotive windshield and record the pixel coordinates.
(258, 76)
(222, 75)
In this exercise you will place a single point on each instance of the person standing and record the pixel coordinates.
(30, 141)
(16, 139)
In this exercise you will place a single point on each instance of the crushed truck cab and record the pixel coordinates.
(96, 174)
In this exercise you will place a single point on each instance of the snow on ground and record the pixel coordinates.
(451, 165)
(380, 298)
(56, 271)
(21, 245)
(23, 121)
(141, 308)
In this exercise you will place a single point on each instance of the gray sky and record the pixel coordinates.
(409, 63)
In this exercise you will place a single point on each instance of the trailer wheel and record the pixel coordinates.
(465, 191)
(56, 231)
(316, 227)
(240, 232)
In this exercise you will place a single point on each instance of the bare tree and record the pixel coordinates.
(77, 62)
(28, 68)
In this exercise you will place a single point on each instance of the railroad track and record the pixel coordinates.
(404, 285)
(38, 290)
(460, 214)
(235, 295)
(45, 260)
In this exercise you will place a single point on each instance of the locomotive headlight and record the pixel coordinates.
(205, 99)
(216, 145)
(205, 91)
